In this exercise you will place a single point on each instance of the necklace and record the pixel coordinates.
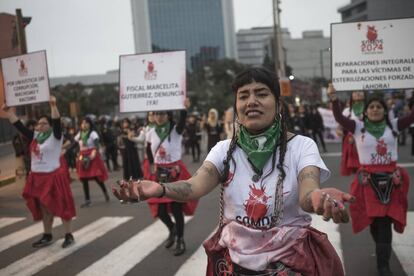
(257, 173)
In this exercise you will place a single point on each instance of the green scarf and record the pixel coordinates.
(376, 129)
(163, 130)
(42, 136)
(250, 144)
(84, 135)
(358, 108)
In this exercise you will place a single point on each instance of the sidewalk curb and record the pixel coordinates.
(7, 180)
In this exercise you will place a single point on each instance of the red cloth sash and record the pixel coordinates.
(367, 206)
(349, 157)
(96, 168)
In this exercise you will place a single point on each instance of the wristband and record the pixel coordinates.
(163, 190)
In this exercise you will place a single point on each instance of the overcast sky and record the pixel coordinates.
(87, 36)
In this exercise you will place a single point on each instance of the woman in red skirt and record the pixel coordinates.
(380, 186)
(47, 191)
(164, 148)
(89, 164)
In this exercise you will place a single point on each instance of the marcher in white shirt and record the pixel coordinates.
(270, 182)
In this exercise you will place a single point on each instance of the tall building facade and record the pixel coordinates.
(203, 28)
(361, 10)
(308, 56)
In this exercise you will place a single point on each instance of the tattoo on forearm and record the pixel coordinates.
(205, 169)
(309, 174)
(182, 189)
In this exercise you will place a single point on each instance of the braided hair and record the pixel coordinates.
(384, 105)
(268, 78)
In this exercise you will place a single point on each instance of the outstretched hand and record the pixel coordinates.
(136, 191)
(330, 203)
(331, 92)
(52, 100)
(6, 112)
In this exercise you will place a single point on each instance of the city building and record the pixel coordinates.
(308, 56)
(204, 28)
(362, 10)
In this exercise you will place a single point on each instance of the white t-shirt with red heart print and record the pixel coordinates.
(252, 203)
(373, 151)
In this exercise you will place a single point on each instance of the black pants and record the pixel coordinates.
(111, 153)
(381, 231)
(177, 211)
(319, 134)
(195, 149)
(85, 183)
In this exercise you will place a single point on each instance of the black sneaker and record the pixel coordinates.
(69, 240)
(106, 197)
(44, 241)
(180, 247)
(171, 237)
(87, 203)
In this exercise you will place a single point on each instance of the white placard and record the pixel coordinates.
(330, 125)
(373, 55)
(26, 79)
(150, 82)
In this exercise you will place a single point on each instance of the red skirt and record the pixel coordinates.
(52, 190)
(65, 167)
(311, 254)
(349, 158)
(367, 206)
(95, 169)
(189, 207)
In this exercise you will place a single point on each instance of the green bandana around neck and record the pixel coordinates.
(358, 108)
(85, 136)
(42, 136)
(375, 129)
(259, 148)
(163, 130)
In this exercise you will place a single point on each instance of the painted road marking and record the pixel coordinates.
(46, 256)
(126, 256)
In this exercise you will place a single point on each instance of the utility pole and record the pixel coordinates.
(21, 34)
(21, 42)
(277, 47)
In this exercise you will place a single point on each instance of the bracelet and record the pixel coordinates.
(163, 190)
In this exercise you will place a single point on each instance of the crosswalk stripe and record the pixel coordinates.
(44, 257)
(406, 165)
(24, 234)
(332, 230)
(6, 221)
(196, 264)
(126, 256)
(403, 245)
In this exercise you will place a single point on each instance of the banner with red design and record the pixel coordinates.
(151, 82)
(373, 55)
(26, 79)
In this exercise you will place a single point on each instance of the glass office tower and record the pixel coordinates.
(204, 28)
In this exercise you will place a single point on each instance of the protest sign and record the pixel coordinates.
(330, 125)
(151, 82)
(373, 55)
(25, 79)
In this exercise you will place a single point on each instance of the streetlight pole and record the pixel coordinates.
(278, 54)
(321, 62)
